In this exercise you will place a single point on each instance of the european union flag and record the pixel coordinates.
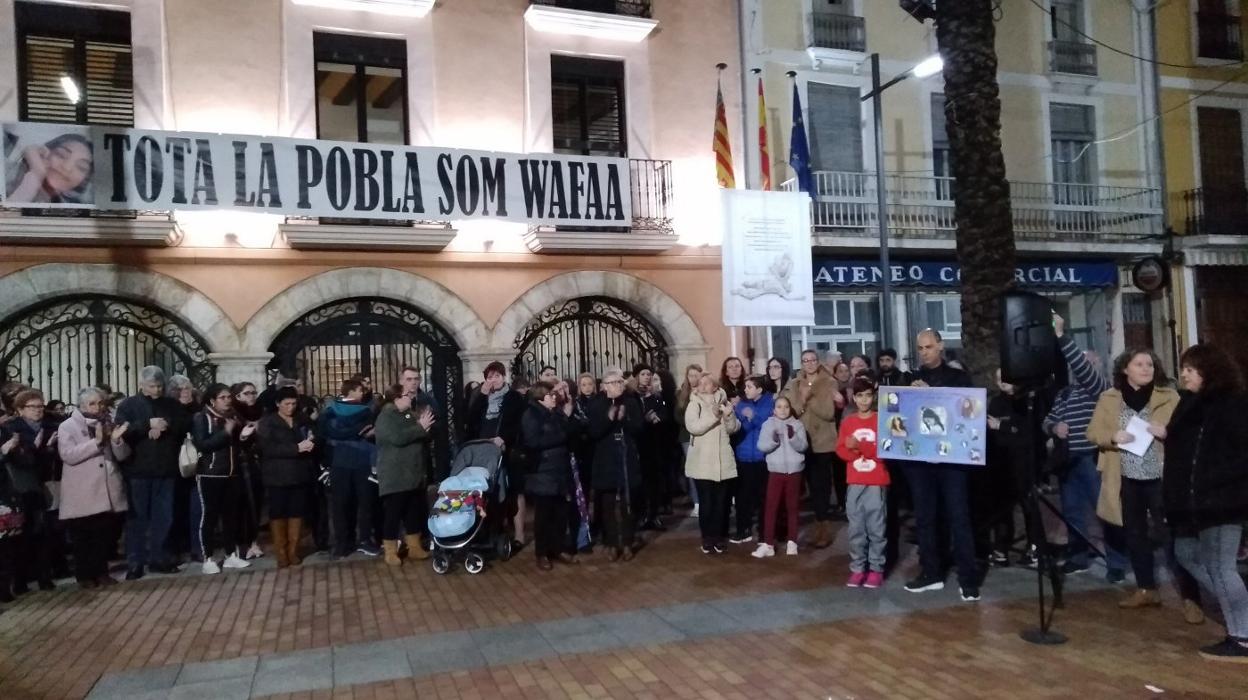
(799, 151)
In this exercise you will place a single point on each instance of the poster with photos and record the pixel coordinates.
(934, 424)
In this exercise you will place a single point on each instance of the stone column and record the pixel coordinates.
(234, 367)
(475, 361)
(681, 356)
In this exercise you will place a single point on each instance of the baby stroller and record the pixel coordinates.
(467, 517)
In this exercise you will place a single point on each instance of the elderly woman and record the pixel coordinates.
(184, 534)
(29, 463)
(92, 489)
(546, 428)
(615, 422)
(710, 420)
(402, 431)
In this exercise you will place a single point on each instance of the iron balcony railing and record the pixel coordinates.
(1216, 211)
(922, 207)
(829, 30)
(651, 194)
(631, 8)
(1219, 36)
(1073, 57)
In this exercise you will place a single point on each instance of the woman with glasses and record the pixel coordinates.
(219, 435)
(615, 422)
(777, 376)
(545, 427)
(29, 462)
(246, 406)
(812, 394)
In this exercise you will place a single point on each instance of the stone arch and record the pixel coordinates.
(182, 301)
(442, 305)
(676, 325)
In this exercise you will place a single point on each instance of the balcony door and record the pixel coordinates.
(1223, 191)
(587, 106)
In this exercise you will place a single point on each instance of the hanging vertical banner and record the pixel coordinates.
(767, 278)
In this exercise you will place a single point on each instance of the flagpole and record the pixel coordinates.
(764, 170)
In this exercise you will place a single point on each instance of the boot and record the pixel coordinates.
(277, 530)
(1141, 598)
(391, 550)
(1192, 613)
(823, 534)
(415, 550)
(294, 532)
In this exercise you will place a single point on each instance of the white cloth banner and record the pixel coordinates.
(766, 259)
(96, 167)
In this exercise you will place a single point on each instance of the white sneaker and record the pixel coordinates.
(254, 551)
(694, 513)
(791, 548)
(764, 550)
(235, 562)
(210, 566)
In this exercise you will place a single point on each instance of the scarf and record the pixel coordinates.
(1137, 399)
(495, 406)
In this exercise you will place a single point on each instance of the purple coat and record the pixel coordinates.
(91, 481)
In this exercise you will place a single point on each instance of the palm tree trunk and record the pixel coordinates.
(966, 35)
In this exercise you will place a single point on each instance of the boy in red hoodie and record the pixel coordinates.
(868, 482)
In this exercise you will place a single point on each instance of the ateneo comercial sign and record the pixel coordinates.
(96, 167)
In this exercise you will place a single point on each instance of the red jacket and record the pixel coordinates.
(861, 465)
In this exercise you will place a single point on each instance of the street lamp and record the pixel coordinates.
(926, 68)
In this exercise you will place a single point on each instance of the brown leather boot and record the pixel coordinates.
(415, 549)
(281, 550)
(294, 532)
(1141, 598)
(823, 534)
(391, 550)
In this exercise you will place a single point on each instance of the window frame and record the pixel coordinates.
(362, 52)
(581, 70)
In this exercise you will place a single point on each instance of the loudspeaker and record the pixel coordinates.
(1028, 345)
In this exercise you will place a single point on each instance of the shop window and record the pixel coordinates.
(587, 106)
(75, 65)
(850, 325)
(361, 88)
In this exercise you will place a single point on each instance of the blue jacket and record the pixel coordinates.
(747, 450)
(339, 427)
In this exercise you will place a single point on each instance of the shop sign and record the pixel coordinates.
(59, 166)
(832, 273)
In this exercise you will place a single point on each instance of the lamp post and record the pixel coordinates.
(928, 67)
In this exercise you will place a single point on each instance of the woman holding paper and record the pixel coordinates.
(1127, 427)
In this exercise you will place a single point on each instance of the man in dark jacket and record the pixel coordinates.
(343, 430)
(615, 422)
(940, 490)
(156, 433)
(890, 373)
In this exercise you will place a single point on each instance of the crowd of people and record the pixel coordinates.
(180, 474)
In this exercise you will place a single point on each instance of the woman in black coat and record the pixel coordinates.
(546, 439)
(615, 422)
(1205, 486)
(287, 449)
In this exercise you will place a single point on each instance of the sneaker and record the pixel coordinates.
(694, 513)
(1028, 559)
(741, 539)
(254, 551)
(1072, 567)
(706, 549)
(1115, 576)
(924, 584)
(369, 549)
(856, 579)
(764, 550)
(1228, 650)
(875, 579)
(720, 549)
(970, 594)
(235, 562)
(791, 548)
(210, 567)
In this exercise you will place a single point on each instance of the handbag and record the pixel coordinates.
(188, 458)
(12, 519)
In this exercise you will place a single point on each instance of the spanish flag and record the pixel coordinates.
(722, 146)
(764, 158)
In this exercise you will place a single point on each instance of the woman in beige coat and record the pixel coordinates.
(1131, 493)
(711, 464)
(812, 394)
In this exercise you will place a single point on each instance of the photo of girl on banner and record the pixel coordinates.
(53, 165)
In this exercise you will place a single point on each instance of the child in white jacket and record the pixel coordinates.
(783, 440)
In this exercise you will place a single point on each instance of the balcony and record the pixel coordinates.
(311, 233)
(1216, 211)
(836, 38)
(84, 227)
(651, 231)
(920, 210)
(1072, 58)
(1219, 36)
(628, 8)
(610, 20)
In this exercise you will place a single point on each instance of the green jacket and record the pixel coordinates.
(400, 452)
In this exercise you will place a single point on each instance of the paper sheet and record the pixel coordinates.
(1139, 428)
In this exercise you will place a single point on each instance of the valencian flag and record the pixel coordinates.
(799, 151)
(723, 148)
(764, 158)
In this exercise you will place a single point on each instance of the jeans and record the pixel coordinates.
(751, 484)
(1142, 513)
(1210, 558)
(783, 489)
(148, 520)
(819, 479)
(939, 493)
(353, 508)
(1081, 488)
(713, 510)
(865, 509)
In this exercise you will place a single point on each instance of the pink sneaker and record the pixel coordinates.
(874, 580)
(856, 579)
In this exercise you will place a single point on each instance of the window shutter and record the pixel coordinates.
(940, 134)
(109, 84)
(587, 103)
(1071, 122)
(835, 127)
(47, 59)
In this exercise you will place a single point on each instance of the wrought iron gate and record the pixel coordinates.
(588, 334)
(64, 344)
(377, 338)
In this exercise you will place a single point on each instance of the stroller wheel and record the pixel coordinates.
(474, 563)
(441, 563)
(503, 547)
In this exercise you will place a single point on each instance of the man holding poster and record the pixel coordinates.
(940, 489)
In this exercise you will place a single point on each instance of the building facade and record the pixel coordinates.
(240, 296)
(1086, 200)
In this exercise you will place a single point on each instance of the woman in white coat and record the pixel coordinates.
(709, 418)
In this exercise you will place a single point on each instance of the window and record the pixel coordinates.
(942, 154)
(848, 324)
(587, 104)
(1070, 51)
(835, 127)
(361, 88)
(75, 65)
(940, 312)
(1223, 198)
(1218, 30)
(1067, 20)
(1072, 130)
